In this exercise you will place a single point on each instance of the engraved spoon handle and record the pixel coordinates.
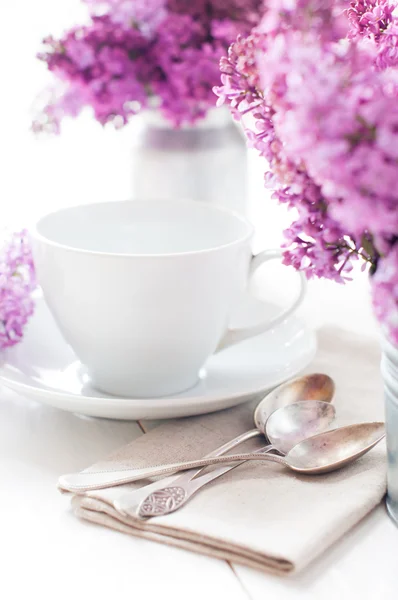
(128, 502)
(86, 481)
(166, 500)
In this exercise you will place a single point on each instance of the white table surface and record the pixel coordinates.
(46, 551)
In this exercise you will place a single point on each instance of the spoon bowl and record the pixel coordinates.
(334, 449)
(296, 422)
(313, 387)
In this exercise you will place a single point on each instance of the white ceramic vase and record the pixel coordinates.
(206, 162)
(389, 370)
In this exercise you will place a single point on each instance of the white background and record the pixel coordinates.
(47, 553)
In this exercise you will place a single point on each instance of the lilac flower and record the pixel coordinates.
(387, 55)
(321, 84)
(95, 67)
(17, 282)
(131, 51)
(370, 17)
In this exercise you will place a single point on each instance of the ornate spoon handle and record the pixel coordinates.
(86, 481)
(168, 499)
(128, 502)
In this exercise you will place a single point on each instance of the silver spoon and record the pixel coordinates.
(285, 428)
(316, 386)
(322, 453)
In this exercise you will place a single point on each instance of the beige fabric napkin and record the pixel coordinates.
(260, 514)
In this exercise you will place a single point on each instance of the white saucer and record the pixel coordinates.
(46, 369)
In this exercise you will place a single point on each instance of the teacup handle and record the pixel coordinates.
(234, 336)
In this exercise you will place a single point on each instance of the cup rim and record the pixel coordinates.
(36, 235)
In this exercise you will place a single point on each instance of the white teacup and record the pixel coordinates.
(143, 290)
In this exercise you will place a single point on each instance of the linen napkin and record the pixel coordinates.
(260, 514)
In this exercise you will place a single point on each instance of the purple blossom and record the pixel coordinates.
(320, 82)
(132, 51)
(387, 55)
(129, 13)
(370, 17)
(95, 68)
(17, 282)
